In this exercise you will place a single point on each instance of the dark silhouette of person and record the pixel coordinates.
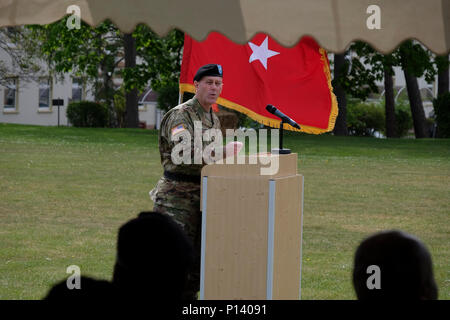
(90, 290)
(393, 265)
(153, 258)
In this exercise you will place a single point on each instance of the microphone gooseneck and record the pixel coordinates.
(273, 110)
(284, 119)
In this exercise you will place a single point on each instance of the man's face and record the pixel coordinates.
(208, 89)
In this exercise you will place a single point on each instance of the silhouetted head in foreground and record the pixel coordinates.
(393, 265)
(89, 289)
(153, 258)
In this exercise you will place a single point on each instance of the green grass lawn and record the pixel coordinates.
(64, 192)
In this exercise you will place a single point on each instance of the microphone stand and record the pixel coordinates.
(281, 150)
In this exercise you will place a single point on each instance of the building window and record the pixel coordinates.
(44, 93)
(10, 95)
(77, 89)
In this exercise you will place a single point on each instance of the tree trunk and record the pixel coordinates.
(443, 78)
(391, 126)
(131, 109)
(415, 102)
(340, 127)
(107, 96)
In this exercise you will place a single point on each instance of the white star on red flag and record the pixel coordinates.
(261, 52)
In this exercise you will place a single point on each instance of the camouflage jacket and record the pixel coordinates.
(178, 124)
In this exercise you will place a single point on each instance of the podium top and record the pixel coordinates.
(265, 166)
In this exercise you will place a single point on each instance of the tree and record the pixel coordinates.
(93, 53)
(442, 102)
(340, 127)
(412, 57)
(391, 126)
(359, 74)
(368, 66)
(416, 61)
(442, 112)
(16, 43)
(131, 96)
(161, 64)
(97, 52)
(442, 65)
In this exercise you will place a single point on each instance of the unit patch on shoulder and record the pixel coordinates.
(178, 129)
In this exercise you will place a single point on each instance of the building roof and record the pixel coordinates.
(148, 95)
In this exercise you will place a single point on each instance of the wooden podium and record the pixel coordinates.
(251, 230)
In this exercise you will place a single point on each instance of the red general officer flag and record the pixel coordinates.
(296, 80)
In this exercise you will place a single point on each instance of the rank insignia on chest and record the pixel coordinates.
(178, 129)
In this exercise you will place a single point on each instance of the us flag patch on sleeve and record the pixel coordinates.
(178, 129)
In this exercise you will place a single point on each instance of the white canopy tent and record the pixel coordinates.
(333, 23)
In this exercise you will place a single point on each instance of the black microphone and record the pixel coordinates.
(282, 116)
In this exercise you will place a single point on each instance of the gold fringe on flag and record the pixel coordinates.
(334, 104)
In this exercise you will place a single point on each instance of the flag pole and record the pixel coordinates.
(281, 134)
(180, 97)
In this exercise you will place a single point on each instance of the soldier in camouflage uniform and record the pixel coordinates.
(177, 193)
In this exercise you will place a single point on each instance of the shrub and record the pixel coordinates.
(442, 111)
(87, 114)
(245, 121)
(403, 117)
(365, 119)
(168, 96)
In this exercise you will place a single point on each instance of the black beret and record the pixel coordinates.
(213, 70)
